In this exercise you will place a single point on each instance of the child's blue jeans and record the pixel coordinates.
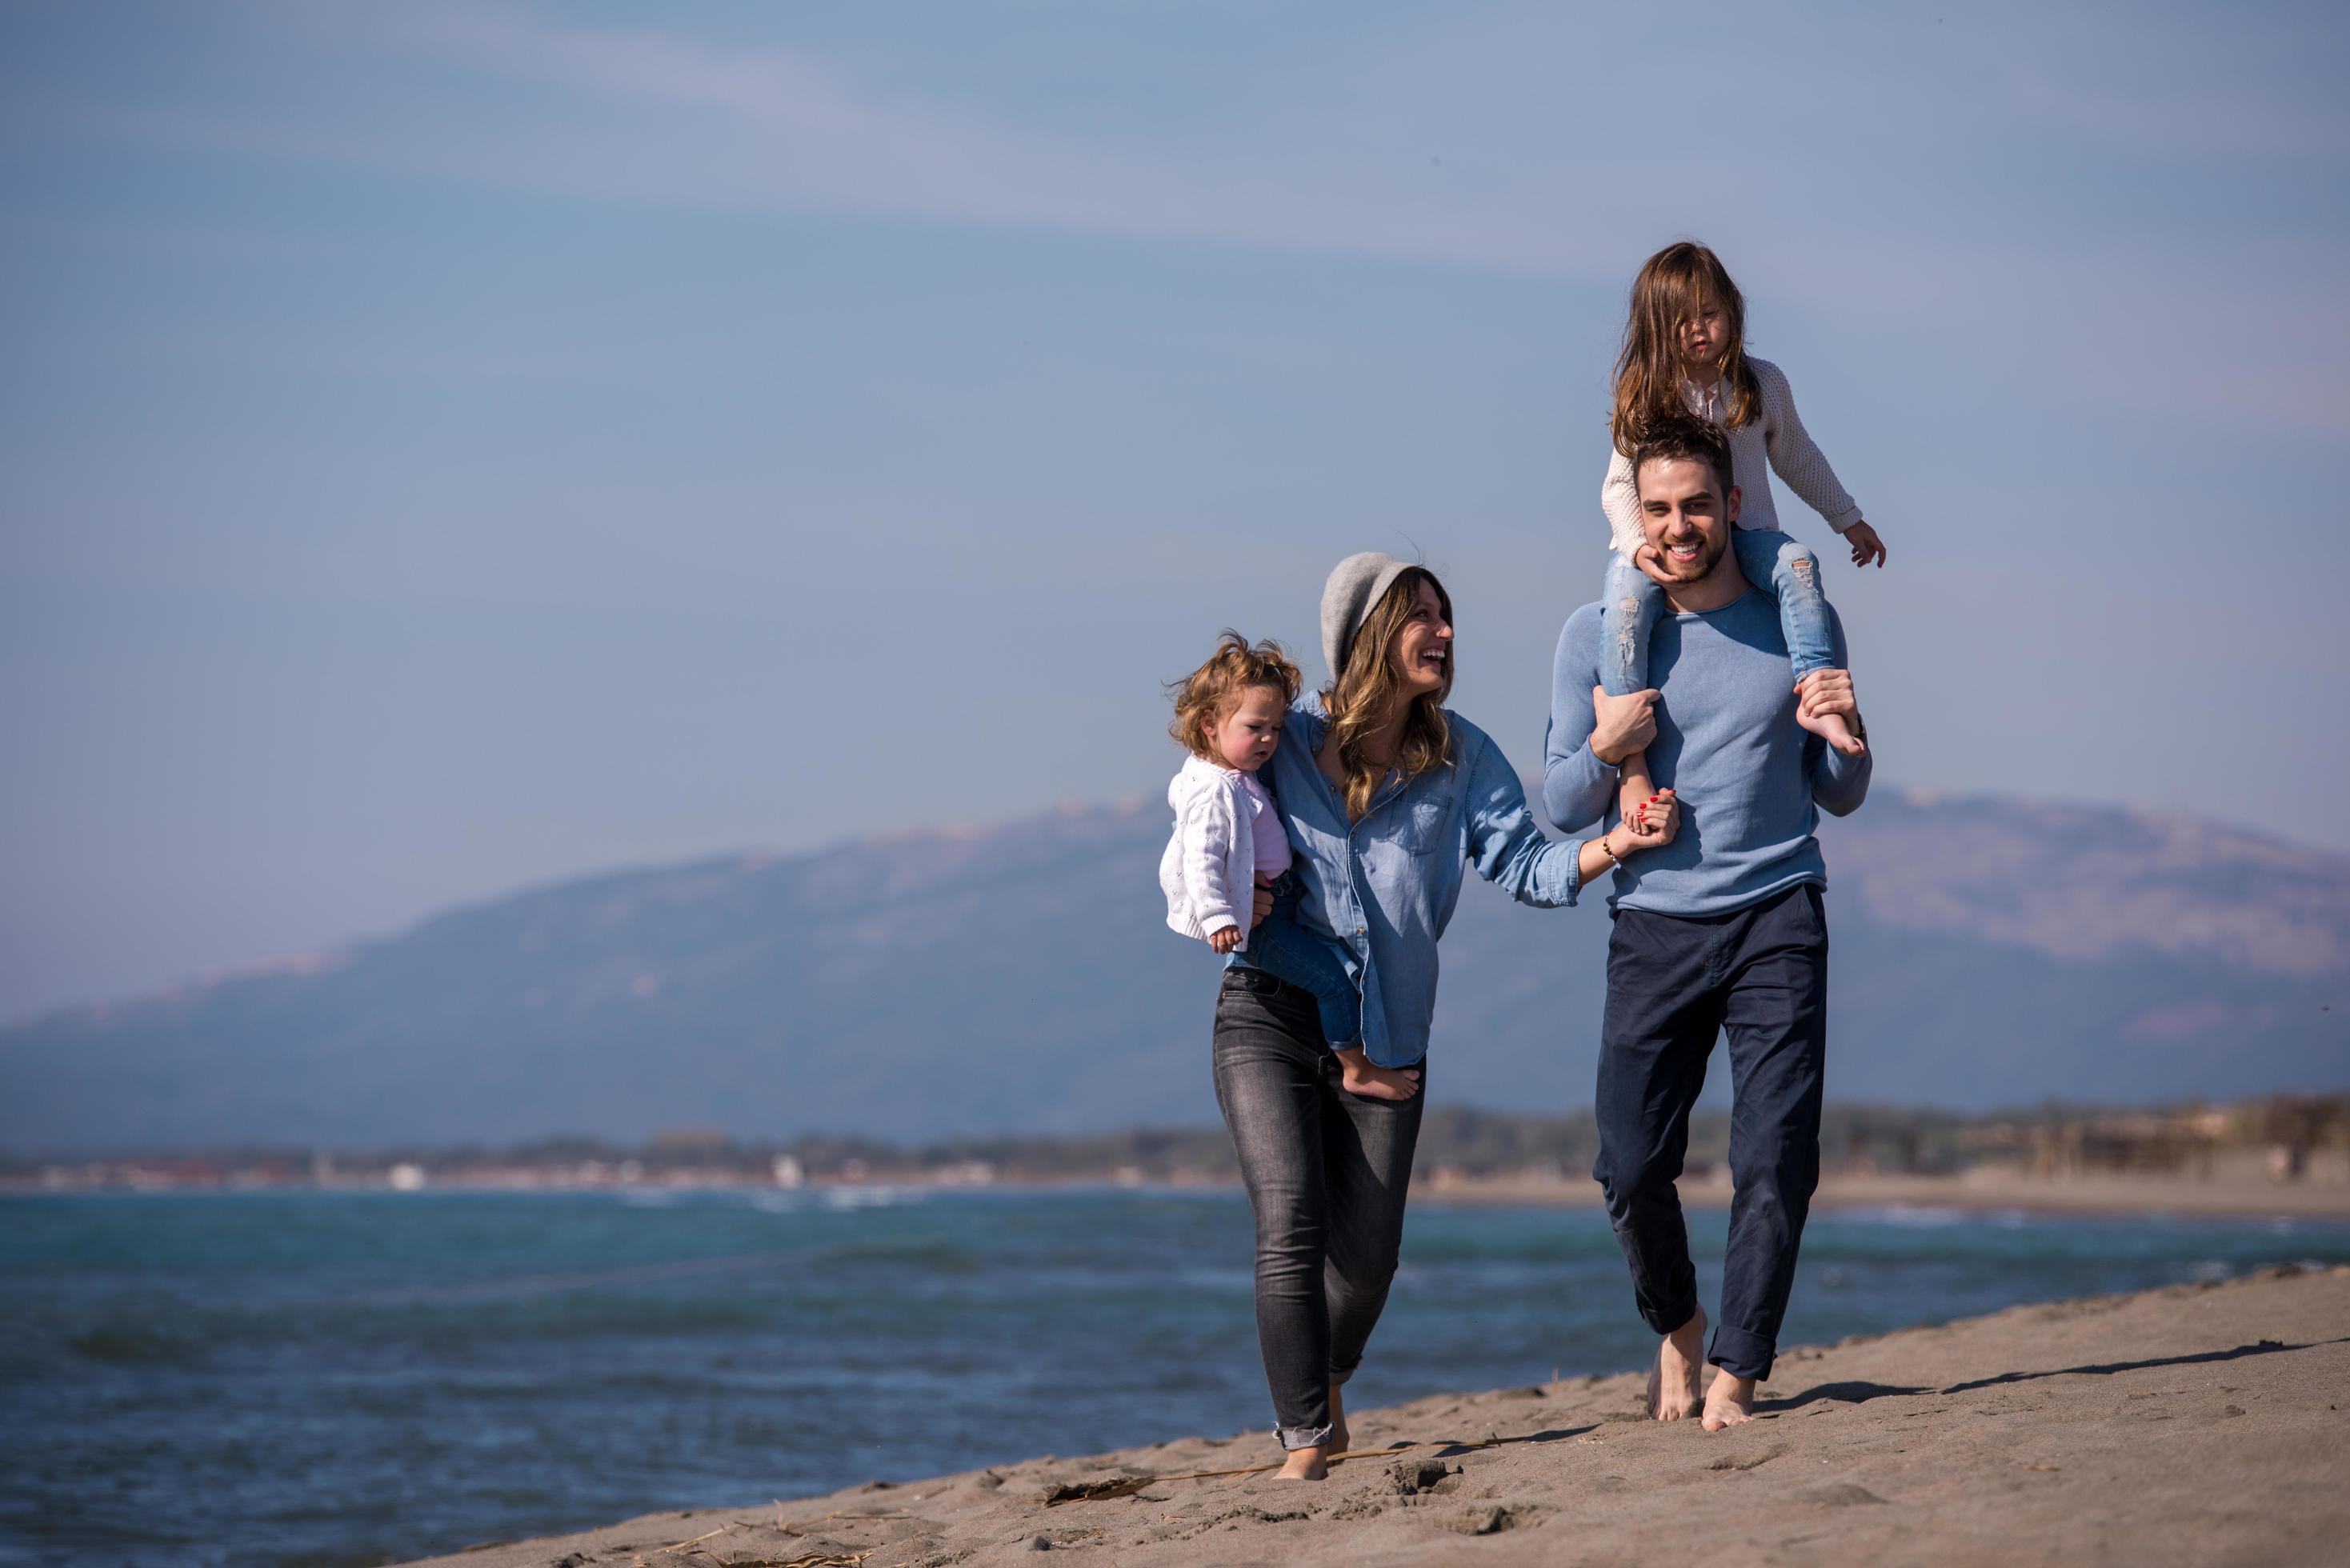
(1284, 948)
(1769, 558)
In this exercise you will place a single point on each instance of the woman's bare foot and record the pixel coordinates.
(1357, 1076)
(1835, 731)
(1305, 1464)
(1730, 1402)
(1313, 1464)
(1673, 1387)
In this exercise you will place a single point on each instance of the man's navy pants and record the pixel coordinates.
(1674, 982)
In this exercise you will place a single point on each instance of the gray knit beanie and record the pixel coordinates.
(1355, 584)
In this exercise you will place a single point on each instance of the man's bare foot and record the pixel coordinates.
(1357, 1076)
(1837, 730)
(1305, 1464)
(1673, 1387)
(1730, 1402)
(1338, 1438)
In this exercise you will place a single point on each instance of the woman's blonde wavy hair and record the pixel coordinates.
(1360, 702)
(1649, 370)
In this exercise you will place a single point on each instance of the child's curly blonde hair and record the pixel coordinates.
(1213, 691)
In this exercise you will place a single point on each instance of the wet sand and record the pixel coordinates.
(2206, 1424)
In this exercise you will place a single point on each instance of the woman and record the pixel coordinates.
(1386, 796)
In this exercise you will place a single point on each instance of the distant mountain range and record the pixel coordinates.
(1988, 952)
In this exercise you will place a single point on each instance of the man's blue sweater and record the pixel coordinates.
(1751, 781)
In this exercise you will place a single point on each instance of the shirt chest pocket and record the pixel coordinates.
(1424, 826)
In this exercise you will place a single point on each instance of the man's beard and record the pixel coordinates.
(1711, 547)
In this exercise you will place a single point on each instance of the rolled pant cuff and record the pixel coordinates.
(1302, 1437)
(1741, 1353)
(1339, 1376)
(1673, 1316)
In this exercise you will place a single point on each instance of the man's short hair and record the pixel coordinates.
(1684, 437)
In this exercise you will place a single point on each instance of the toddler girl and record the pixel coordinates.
(1228, 840)
(1685, 349)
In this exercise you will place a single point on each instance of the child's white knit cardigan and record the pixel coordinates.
(1211, 853)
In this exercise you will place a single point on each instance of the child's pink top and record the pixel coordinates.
(1267, 837)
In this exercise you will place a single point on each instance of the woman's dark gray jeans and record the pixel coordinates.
(1326, 1172)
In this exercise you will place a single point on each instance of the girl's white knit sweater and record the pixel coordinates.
(1775, 440)
(1208, 870)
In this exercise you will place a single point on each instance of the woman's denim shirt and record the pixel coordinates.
(1384, 888)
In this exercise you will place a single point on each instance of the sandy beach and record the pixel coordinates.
(2205, 1424)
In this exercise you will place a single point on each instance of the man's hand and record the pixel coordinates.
(1625, 724)
(1264, 906)
(1826, 692)
(1224, 939)
(1866, 544)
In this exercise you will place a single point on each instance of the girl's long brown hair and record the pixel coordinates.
(1362, 699)
(1649, 370)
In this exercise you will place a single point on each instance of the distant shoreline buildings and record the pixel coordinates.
(2278, 1143)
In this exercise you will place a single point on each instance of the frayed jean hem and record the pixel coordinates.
(1302, 1437)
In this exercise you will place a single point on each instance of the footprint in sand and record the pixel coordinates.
(1748, 1462)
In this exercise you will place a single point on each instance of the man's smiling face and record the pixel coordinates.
(1686, 516)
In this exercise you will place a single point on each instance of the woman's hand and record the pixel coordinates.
(1652, 826)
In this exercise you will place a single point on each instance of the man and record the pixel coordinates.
(1721, 930)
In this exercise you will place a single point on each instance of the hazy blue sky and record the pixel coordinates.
(442, 449)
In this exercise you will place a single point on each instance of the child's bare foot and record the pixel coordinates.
(1673, 1388)
(1304, 1464)
(1357, 1076)
(1634, 786)
(1834, 729)
(1730, 1402)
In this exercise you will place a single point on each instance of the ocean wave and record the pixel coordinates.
(871, 1196)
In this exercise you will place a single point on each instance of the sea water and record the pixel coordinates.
(327, 1380)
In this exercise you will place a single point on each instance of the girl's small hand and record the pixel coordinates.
(1866, 544)
(1226, 939)
(1652, 565)
(1654, 823)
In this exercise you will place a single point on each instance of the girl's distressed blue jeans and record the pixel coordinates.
(1771, 560)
